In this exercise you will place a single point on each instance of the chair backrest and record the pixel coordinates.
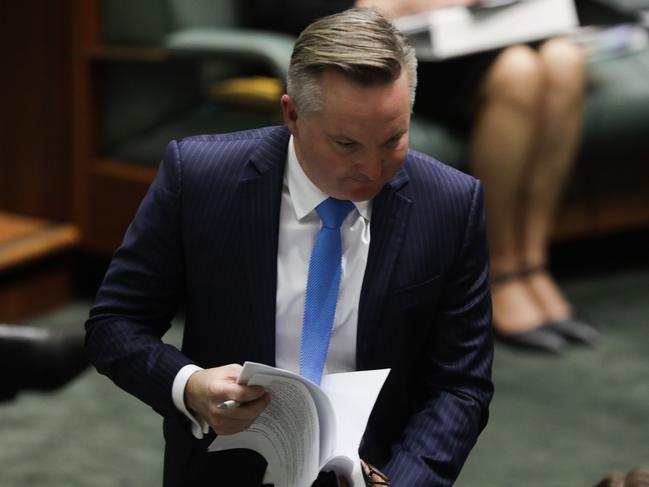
(139, 23)
(136, 98)
(147, 22)
(204, 13)
(135, 95)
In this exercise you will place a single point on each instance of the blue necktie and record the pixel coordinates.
(322, 288)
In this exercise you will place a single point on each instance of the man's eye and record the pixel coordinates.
(345, 144)
(393, 142)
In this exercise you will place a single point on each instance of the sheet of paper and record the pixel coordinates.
(455, 31)
(326, 417)
(352, 395)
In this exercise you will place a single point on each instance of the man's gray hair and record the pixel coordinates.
(359, 43)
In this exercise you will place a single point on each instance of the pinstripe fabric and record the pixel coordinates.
(206, 235)
(426, 313)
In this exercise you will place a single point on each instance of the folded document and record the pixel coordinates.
(456, 31)
(308, 428)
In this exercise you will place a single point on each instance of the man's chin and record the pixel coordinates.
(359, 192)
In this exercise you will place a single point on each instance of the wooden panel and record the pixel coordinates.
(35, 272)
(26, 294)
(115, 192)
(33, 172)
(623, 212)
(574, 220)
(24, 240)
(83, 36)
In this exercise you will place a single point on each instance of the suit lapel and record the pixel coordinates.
(390, 213)
(261, 189)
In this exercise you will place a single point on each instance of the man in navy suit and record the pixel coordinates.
(227, 227)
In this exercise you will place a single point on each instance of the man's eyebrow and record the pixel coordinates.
(396, 135)
(336, 137)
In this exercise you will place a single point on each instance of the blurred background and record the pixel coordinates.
(91, 93)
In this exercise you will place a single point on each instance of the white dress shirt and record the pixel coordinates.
(298, 226)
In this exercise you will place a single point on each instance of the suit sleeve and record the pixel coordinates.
(139, 296)
(457, 375)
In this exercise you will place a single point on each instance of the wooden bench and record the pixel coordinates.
(35, 266)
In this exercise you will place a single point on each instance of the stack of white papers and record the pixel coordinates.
(456, 31)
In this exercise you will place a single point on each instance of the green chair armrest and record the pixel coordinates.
(269, 48)
(617, 107)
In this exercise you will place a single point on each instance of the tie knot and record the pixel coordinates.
(332, 211)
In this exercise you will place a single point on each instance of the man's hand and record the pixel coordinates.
(373, 475)
(208, 388)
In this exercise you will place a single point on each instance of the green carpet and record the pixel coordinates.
(567, 421)
(562, 421)
(88, 434)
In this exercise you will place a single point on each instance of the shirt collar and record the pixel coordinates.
(305, 195)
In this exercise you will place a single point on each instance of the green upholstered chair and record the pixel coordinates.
(169, 69)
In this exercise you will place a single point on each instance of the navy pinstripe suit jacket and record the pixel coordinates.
(206, 235)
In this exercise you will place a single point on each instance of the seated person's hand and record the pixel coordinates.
(392, 9)
(208, 388)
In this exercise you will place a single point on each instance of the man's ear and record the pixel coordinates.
(289, 112)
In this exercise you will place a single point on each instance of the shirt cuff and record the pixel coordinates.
(198, 424)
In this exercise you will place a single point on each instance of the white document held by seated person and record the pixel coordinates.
(457, 31)
(306, 428)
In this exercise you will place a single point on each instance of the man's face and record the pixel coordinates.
(359, 139)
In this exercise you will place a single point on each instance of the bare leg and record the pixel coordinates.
(500, 149)
(550, 163)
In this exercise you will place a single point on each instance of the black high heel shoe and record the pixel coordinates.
(542, 339)
(575, 330)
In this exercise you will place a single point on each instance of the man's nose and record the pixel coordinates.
(370, 166)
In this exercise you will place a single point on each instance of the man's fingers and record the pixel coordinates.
(235, 420)
(232, 370)
(374, 475)
(206, 389)
(238, 392)
(248, 410)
